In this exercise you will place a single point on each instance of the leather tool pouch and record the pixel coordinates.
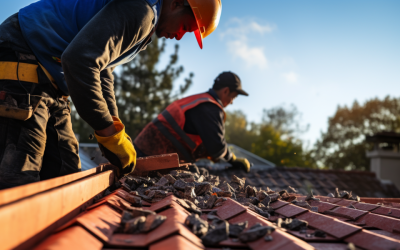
(15, 106)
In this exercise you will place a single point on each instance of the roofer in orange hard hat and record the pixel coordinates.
(194, 127)
(53, 49)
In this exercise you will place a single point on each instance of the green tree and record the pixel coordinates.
(279, 138)
(276, 138)
(239, 131)
(343, 145)
(142, 90)
(271, 144)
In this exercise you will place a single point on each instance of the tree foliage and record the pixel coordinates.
(275, 138)
(343, 145)
(239, 131)
(142, 90)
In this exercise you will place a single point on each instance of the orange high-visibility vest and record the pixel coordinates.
(165, 134)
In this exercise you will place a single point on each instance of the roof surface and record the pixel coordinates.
(368, 226)
(63, 220)
(322, 182)
(258, 162)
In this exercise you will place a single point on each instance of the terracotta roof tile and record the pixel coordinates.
(229, 209)
(379, 221)
(72, 238)
(345, 202)
(330, 246)
(322, 206)
(373, 241)
(301, 197)
(309, 237)
(113, 200)
(124, 194)
(232, 243)
(385, 233)
(158, 162)
(250, 218)
(175, 242)
(345, 212)
(172, 225)
(387, 211)
(365, 206)
(278, 204)
(291, 210)
(332, 200)
(146, 204)
(101, 221)
(329, 225)
(260, 218)
(373, 200)
(341, 218)
(281, 241)
(165, 203)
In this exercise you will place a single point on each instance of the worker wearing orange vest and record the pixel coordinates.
(53, 49)
(194, 126)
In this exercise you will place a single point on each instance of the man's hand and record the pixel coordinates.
(117, 148)
(240, 163)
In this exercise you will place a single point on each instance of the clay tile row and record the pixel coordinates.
(281, 240)
(103, 218)
(322, 182)
(364, 214)
(329, 225)
(173, 225)
(72, 238)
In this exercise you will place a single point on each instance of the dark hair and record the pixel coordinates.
(217, 87)
(221, 87)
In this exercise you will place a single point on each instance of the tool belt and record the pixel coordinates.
(26, 72)
(20, 106)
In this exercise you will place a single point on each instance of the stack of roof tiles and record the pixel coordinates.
(322, 182)
(341, 221)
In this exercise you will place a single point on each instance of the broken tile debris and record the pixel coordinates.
(138, 221)
(198, 226)
(199, 192)
(292, 224)
(255, 232)
(219, 231)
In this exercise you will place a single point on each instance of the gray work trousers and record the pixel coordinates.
(42, 147)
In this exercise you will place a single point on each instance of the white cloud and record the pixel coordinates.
(252, 56)
(261, 29)
(239, 44)
(291, 77)
(240, 28)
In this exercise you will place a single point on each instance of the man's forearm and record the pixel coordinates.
(113, 31)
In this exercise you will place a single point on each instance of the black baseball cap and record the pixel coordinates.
(231, 80)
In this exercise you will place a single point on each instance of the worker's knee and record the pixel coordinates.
(18, 167)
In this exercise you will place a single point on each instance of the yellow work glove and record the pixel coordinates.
(118, 149)
(240, 163)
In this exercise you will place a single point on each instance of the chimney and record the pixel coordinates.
(385, 156)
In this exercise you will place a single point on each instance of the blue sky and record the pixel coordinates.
(314, 54)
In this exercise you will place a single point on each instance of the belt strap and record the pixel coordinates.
(177, 144)
(26, 72)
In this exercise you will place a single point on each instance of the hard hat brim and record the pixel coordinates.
(199, 38)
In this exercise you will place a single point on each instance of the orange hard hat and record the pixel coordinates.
(207, 14)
